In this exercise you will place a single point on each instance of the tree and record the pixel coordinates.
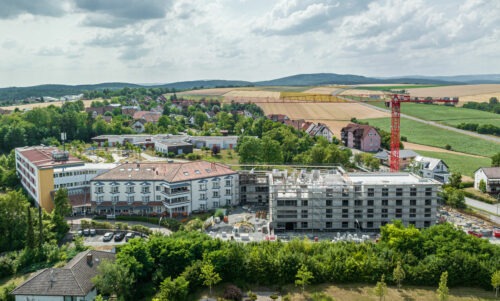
(30, 232)
(174, 290)
(495, 282)
(482, 186)
(13, 221)
(209, 276)
(303, 277)
(443, 291)
(381, 288)
(399, 274)
(495, 160)
(455, 180)
(62, 208)
(271, 151)
(112, 279)
(250, 150)
(493, 101)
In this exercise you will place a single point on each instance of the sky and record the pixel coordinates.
(162, 41)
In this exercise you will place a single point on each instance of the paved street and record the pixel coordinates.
(494, 210)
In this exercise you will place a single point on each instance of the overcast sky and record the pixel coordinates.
(160, 41)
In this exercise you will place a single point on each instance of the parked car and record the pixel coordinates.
(79, 232)
(107, 236)
(476, 234)
(86, 232)
(92, 232)
(129, 235)
(119, 236)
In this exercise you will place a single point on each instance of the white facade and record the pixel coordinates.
(224, 142)
(431, 168)
(490, 176)
(90, 296)
(79, 177)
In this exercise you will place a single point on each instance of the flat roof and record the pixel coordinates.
(389, 178)
(88, 166)
(41, 157)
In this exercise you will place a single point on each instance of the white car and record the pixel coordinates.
(223, 234)
(107, 236)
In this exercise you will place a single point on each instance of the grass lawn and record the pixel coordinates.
(446, 114)
(365, 292)
(225, 156)
(425, 134)
(465, 165)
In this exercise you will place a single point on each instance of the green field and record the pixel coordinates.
(425, 134)
(446, 114)
(465, 165)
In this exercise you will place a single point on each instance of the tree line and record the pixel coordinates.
(422, 255)
(492, 105)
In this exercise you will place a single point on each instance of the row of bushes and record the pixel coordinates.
(478, 197)
(488, 129)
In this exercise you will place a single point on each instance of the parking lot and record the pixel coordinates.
(470, 224)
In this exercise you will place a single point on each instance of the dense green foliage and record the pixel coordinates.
(491, 106)
(423, 254)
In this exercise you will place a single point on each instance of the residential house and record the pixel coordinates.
(406, 156)
(296, 124)
(162, 188)
(321, 129)
(491, 177)
(130, 110)
(360, 136)
(431, 168)
(278, 117)
(71, 282)
(143, 117)
(223, 142)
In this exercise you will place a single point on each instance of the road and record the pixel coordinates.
(494, 210)
(433, 123)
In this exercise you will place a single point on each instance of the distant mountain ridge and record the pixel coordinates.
(314, 79)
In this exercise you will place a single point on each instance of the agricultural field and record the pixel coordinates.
(446, 114)
(30, 106)
(207, 92)
(467, 93)
(390, 87)
(466, 165)
(324, 90)
(426, 134)
(251, 94)
(310, 97)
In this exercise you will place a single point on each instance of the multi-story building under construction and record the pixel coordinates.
(333, 200)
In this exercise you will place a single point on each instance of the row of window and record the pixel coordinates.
(347, 203)
(74, 173)
(348, 225)
(358, 213)
(75, 184)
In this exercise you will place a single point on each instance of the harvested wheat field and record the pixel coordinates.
(322, 90)
(208, 92)
(335, 115)
(30, 106)
(362, 92)
(251, 94)
(466, 93)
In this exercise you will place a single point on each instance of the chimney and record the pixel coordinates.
(89, 258)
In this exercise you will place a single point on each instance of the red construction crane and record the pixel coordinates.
(395, 104)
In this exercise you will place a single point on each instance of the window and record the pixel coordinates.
(305, 203)
(145, 189)
(358, 213)
(203, 196)
(145, 198)
(345, 192)
(370, 203)
(371, 192)
(100, 199)
(413, 212)
(228, 182)
(286, 213)
(385, 191)
(413, 202)
(384, 213)
(428, 191)
(329, 202)
(130, 199)
(358, 203)
(369, 213)
(399, 202)
(203, 207)
(216, 185)
(228, 202)
(130, 189)
(158, 197)
(329, 213)
(345, 202)
(385, 202)
(428, 202)
(203, 186)
(114, 199)
(413, 191)
(427, 212)
(345, 225)
(427, 224)
(399, 212)
(215, 194)
(399, 191)
(303, 225)
(304, 214)
(99, 189)
(328, 225)
(287, 203)
(345, 213)
(228, 191)
(158, 188)
(369, 224)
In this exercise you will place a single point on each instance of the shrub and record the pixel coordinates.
(321, 297)
(232, 292)
(447, 147)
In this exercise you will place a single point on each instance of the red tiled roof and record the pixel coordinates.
(147, 116)
(41, 156)
(170, 172)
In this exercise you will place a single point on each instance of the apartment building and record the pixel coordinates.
(169, 189)
(42, 170)
(332, 200)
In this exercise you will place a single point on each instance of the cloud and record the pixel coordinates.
(13, 8)
(298, 17)
(131, 53)
(116, 39)
(9, 44)
(57, 51)
(116, 13)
